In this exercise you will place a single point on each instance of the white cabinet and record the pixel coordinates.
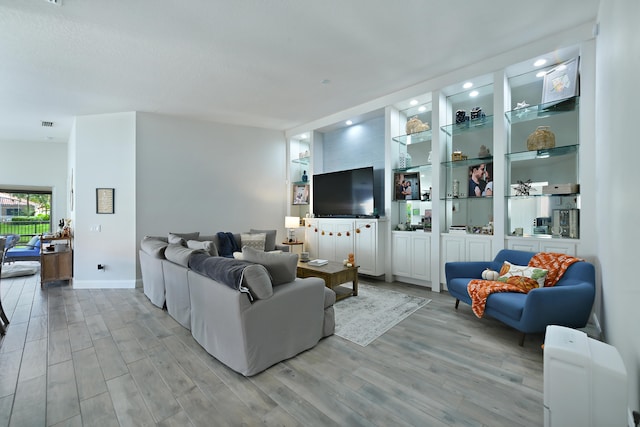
(464, 248)
(411, 257)
(334, 239)
(562, 246)
(369, 246)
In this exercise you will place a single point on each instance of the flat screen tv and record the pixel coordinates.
(347, 193)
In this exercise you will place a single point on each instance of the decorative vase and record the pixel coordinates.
(542, 138)
(305, 178)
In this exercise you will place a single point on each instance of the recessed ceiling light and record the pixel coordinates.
(541, 74)
(414, 102)
(422, 108)
(473, 93)
(348, 122)
(467, 85)
(540, 62)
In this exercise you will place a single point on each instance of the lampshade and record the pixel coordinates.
(291, 222)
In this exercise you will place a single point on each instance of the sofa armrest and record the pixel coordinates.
(568, 305)
(283, 248)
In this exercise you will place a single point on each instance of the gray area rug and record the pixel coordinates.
(373, 312)
(20, 268)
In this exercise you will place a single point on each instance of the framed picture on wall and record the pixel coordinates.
(301, 194)
(105, 200)
(561, 83)
(407, 186)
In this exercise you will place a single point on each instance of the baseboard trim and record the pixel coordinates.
(104, 284)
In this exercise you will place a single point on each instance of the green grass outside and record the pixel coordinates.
(25, 230)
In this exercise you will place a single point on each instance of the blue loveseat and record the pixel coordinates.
(568, 303)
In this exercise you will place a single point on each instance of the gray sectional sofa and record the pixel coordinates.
(266, 316)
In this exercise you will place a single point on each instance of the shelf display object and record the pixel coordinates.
(468, 171)
(543, 194)
(412, 175)
(300, 174)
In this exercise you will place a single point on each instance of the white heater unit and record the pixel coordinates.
(585, 381)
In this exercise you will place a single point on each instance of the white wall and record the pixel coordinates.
(37, 164)
(208, 177)
(104, 157)
(617, 154)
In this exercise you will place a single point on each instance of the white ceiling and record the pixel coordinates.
(254, 62)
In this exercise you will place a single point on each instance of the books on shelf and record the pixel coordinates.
(318, 262)
(458, 229)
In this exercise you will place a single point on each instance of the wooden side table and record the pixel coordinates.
(293, 246)
(56, 259)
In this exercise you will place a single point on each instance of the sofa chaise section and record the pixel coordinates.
(250, 337)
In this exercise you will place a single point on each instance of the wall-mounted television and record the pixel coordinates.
(347, 193)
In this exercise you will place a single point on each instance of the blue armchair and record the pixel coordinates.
(568, 303)
(30, 252)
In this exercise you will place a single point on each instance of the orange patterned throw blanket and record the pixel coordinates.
(555, 263)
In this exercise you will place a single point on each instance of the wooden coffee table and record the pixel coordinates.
(334, 274)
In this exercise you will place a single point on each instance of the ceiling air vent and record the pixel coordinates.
(47, 124)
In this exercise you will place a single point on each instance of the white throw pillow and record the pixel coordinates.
(253, 240)
(511, 270)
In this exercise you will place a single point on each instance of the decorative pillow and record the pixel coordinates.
(256, 278)
(270, 240)
(511, 270)
(179, 254)
(207, 246)
(153, 246)
(255, 241)
(175, 237)
(282, 267)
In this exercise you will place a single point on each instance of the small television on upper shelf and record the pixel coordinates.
(346, 194)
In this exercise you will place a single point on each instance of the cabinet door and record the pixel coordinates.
(401, 253)
(366, 246)
(478, 250)
(558, 247)
(421, 256)
(49, 267)
(453, 249)
(311, 237)
(333, 242)
(529, 245)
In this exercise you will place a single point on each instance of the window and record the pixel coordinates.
(26, 213)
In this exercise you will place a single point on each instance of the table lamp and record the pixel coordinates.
(291, 223)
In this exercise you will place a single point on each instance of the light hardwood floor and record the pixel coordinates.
(109, 357)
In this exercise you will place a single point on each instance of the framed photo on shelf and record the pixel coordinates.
(407, 186)
(481, 180)
(105, 200)
(561, 83)
(300, 194)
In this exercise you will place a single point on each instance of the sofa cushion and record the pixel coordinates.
(207, 246)
(510, 304)
(153, 246)
(253, 240)
(181, 238)
(509, 270)
(282, 267)
(270, 239)
(179, 254)
(256, 278)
